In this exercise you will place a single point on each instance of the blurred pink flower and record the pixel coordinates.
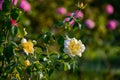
(71, 23)
(1, 3)
(109, 9)
(13, 22)
(14, 2)
(61, 10)
(67, 19)
(69, 14)
(24, 4)
(112, 24)
(71, 17)
(79, 14)
(89, 23)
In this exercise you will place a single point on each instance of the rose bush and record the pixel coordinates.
(21, 57)
(34, 45)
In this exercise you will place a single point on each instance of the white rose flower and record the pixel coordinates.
(73, 47)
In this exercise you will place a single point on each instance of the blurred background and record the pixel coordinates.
(100, 32)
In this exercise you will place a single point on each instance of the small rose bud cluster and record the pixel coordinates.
(71, 17)
(24, 4)
(112, 23)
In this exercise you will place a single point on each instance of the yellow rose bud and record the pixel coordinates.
(25, 32)
(27, 63)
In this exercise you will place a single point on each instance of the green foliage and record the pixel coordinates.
(14, 14)
(14, 30)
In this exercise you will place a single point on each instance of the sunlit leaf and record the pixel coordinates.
(14, 30)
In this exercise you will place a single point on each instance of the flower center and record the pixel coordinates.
(28, 46)
(74, 47)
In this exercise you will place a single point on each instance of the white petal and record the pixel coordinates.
(66, 42)
(83, 48)
(23, 40)
(25, 51)
(79, 54)
(71, 55)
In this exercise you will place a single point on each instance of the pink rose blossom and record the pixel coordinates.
(0, 6)
(13, 22)
(89, 23)
(1, 3)
(69, 14)
(72, 22)
(67, 19)
(109, 9)
(14, 2)
(25, 5)
(79, 14)
(71, 17)
(112, 24)
(61, 10)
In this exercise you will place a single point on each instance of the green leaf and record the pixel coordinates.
(78, 20)
(14, 14)
(54, 57)
(6, 6)
(1, 57)
(21, 32)
(7, 23)
(47, 37)
(38, 50)
(14, 30)
(8, 52)
(2, 37)
(14, 44)
(13, 78)
(65, 56)
(66, 66)
(75, 66)
(37, 66)
(50, 71)
(60, 40)
(60, 24)
(41, 57)
(1, 49)
(21, 60)
(19, 69)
